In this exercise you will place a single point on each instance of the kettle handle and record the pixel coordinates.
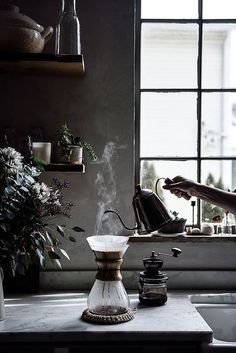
(47, 33)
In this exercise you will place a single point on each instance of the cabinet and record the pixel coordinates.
(42, 64)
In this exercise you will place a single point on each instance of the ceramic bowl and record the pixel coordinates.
(175, 226)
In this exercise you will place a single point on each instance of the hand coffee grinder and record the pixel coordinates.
(153, 282)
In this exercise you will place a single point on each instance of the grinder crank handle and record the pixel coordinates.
(185, 195)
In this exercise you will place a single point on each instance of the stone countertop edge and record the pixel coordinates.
(57, 318)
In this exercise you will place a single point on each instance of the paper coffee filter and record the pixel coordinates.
(108, 242)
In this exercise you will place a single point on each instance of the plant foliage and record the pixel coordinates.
(27, 211)
(66, 139)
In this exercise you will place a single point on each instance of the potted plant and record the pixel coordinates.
(27, 208)
(175, 226)
(72, 147)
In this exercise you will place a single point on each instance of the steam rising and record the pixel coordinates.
(105, 185)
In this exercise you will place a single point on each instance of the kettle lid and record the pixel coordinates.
(10, 16)
(142, 192)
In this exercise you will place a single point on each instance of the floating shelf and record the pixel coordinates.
(55, 167)
(48, 64)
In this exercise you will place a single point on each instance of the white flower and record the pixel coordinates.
(11, 158)
(42, 192)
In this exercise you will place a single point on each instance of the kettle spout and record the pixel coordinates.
(111, 211)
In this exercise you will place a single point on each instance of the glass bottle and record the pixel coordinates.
(228, 223)
(67, 39)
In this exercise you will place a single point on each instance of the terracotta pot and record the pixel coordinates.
(19, 33)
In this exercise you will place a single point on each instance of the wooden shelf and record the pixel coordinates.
(48, 64)
(55, 167)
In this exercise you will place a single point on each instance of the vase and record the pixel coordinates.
(22, 283)
(68, 30)
(76, 155)
(2, 307)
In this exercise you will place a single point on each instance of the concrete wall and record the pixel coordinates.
(99, 106)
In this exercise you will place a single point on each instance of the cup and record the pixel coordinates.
(42, 150)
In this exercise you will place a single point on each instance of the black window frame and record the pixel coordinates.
(198, 90)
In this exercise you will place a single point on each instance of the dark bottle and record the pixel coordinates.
(152, 282)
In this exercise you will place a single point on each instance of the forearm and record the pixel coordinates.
(221, 198)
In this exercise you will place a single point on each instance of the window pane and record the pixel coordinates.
(168, 124)
(169, 55)
(221, 174)
(152, 170)
(219, 9)
(169, 9)
(219, 56)
(218, 124)
(222, 171)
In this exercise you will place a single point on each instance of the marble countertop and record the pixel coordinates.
(56, 317)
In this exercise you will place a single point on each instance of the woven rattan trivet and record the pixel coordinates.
(87, 315)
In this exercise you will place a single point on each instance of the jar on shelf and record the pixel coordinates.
(228, 223)
(67, 39)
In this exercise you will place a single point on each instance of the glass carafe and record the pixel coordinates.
(108, 298)
(67, 39)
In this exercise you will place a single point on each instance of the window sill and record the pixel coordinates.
(150, 238)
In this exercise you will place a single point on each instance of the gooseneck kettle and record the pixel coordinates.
(150, 212)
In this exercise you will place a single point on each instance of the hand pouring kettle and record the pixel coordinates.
(150, 212)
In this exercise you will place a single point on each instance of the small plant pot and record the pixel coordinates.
(175, 226)
(76, 155)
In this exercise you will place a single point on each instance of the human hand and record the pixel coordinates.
(180, 186)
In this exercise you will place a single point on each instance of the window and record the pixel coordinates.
(186, 96)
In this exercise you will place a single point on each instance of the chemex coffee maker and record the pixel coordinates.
(150, 212)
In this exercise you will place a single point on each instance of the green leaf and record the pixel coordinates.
(29, 179)
(18, 180)
(65, 253)
(49, 238)
(41, 258)
(78, 229)
(10, 190)
(5, 227)
(42, 236)
(10, 215)
(26, 260)
(53, 255)
(72, 239)
(56, 263)
(23, 188)
(61, 231)
(20, 268)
